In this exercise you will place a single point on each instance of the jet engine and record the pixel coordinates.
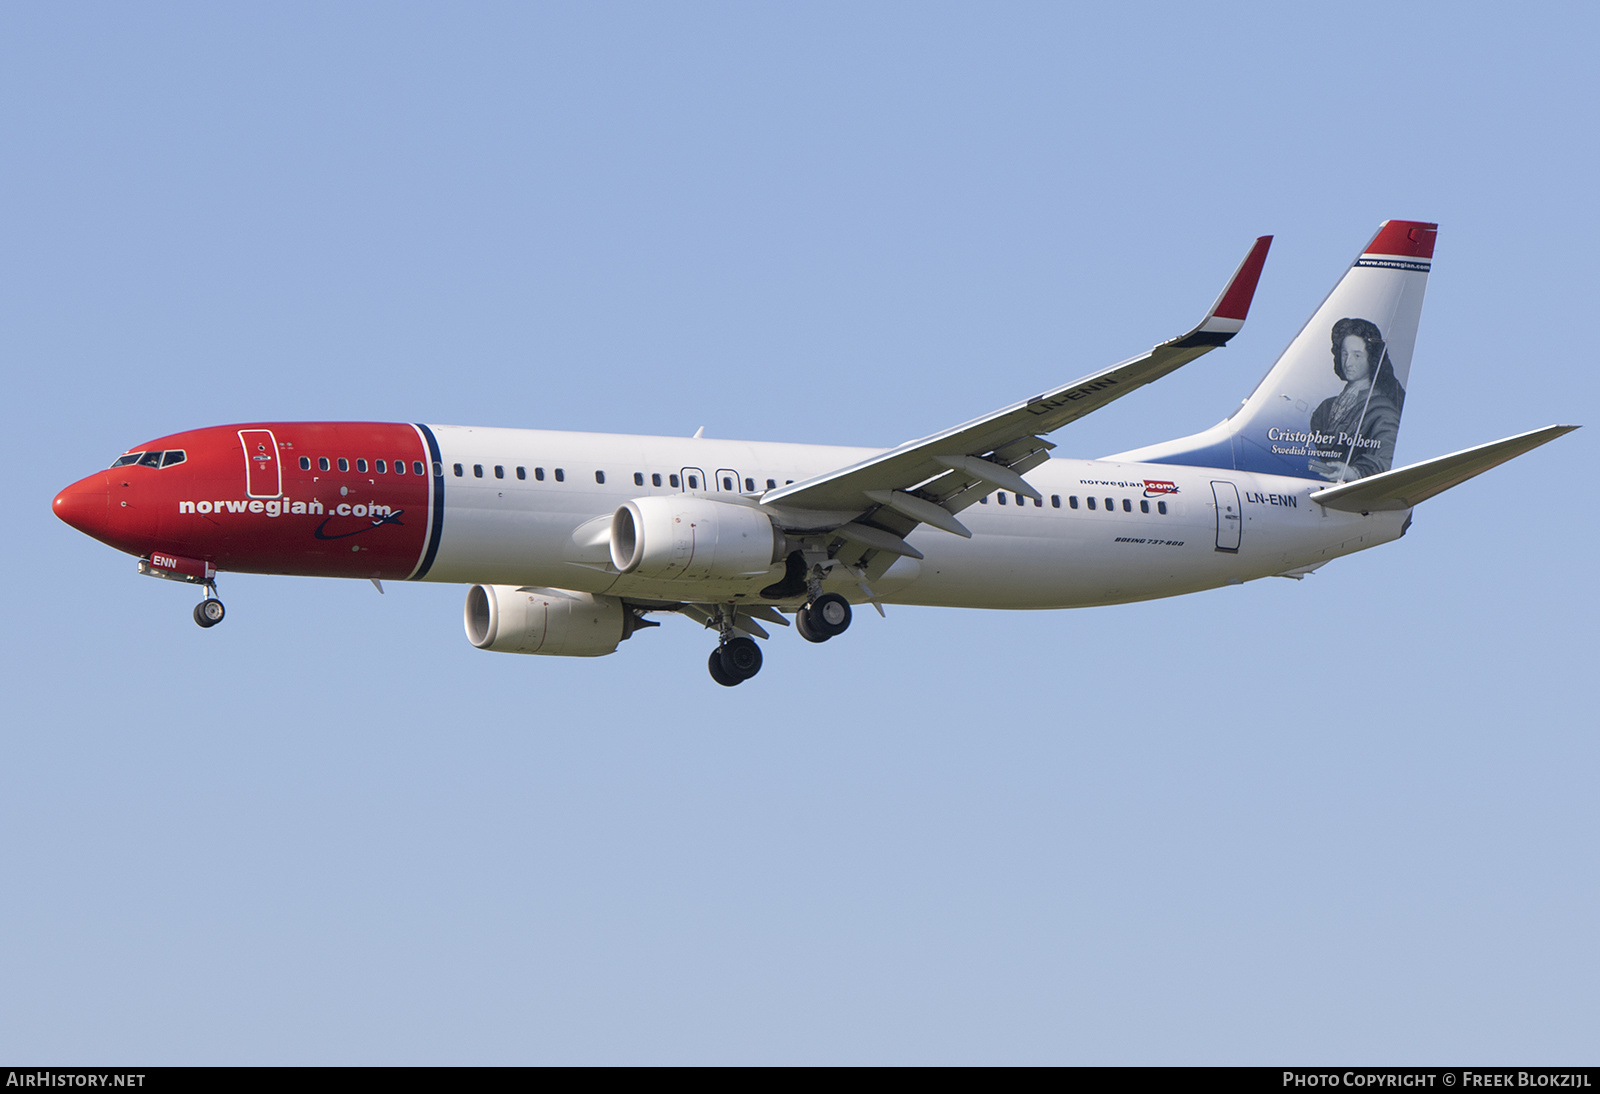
(677, 536)
(508, 619)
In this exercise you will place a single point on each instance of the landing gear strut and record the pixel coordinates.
(736, 658)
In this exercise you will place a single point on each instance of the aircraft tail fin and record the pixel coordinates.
(1329, 408)
(1405, 487)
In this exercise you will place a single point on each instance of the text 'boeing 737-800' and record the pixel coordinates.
(570, 541)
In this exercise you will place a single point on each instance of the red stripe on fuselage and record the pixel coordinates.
(324, 523)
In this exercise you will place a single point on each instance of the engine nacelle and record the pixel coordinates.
(508, 619)
(681, 537)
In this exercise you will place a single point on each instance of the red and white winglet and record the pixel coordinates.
(1227, 315)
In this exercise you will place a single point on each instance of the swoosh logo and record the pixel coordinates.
(391, 518)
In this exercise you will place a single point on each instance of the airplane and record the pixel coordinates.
(569, 541)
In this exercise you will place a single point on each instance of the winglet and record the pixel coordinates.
(1227, 315)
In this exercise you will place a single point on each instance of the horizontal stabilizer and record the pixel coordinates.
(1407, 486)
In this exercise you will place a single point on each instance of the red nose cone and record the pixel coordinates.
(86, 505)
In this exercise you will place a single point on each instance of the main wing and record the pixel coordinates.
(927, 481)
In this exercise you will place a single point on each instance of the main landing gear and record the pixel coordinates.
(825, 617)
(735, 661)
(737, 658)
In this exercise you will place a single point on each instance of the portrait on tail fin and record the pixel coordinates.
(1363, 419)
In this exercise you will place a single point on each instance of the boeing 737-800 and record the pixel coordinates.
(569, 541)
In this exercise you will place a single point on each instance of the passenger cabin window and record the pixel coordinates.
(305, 463)
(1021, 500)
(383, 468)
(673, 479)
(1127, 506)
(1144, 507)
(1001, 498)
(417, 469)
(638, 478)
(750, 485)
(477, 470)
(1072, 502)
(538, 473)
(655, 480)
(344, 464)
(983, 501)
(322, 463)
(1091, 503)
(561, 475)
(177, 455)
(457, 469)
(399, 467)
(1111, 505)
(499, 471)
(600, 477)
(361, 466)
(522, 472)
(772, 484)
(438, 468)
(727, 483)
(694, 482)
(1055, 501)
(1161, 507)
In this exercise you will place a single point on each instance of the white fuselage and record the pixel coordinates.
(549, 532)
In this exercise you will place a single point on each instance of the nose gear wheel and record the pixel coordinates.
(209, 612)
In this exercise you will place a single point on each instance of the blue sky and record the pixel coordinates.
(1349, 818)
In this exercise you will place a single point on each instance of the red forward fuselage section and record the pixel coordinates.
(328, 499)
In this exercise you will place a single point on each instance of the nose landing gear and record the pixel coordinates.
(209, 612)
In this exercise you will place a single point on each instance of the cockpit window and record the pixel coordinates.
(151, 459)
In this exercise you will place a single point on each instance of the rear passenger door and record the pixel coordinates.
(1230, 515)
